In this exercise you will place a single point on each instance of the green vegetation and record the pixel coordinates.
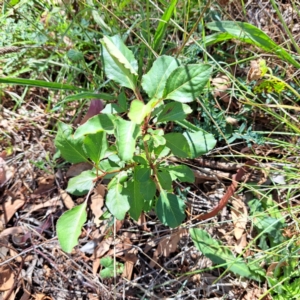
(164, 83)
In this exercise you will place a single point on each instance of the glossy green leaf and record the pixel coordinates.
(187, 82)
(174, 111)
(219, 254)
(170, 209)
(182, 172)
(164, 179)
(148, 189)
(199, 142)
(135, 198)
(69, 226)
(142, 173)
(95, 146)
(71, 148)
(119, 62)
(250, 34)
(81, 184)
(138, 111)
(126, 133)
(40, 83)
(178, 144)
(97, 123)
(117, 202)
(155, 80)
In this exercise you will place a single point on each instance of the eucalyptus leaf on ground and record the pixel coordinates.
(69, 226)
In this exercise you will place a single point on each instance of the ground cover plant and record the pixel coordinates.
(149, 149)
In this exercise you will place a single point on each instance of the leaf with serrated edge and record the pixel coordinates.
(81, 184)
(70, 148)
(199, 143)
(155, 80)
(187, 82)
(178, 144)
(117, 202)
(170, 209)
(138, 111)
(95, 124)
(69, 226)
(174, 111)
(126, 133)
(135, 199)
(95, 146)
(119, 62)
(183, 173)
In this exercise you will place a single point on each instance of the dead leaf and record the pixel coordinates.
(67, 199)
(97, 202)
(103, 247)
(142, 222)
(10, 208)
(100, 189)
(45, 184)
(96, 265)
(255, 71)
(6, 278)
(168, 245)
(221, 84)
(6, 172)
(77, 169)
(239, 217)
(241, 243)
(130, 260)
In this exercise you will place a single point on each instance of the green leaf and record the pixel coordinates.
(182, 172)
(95, 146)
(69, 226)
(162, 25)
(155, 80)
(110, 266)
(199, 142)
(138, 111)
(219, 254)
(170, 209)
(75, 55)
(148, 189)
(126, 133)
(174, 111)
(135, 198)
(119, 62)
(164, 179)
(86, 95)
(178, 144)
(142, 173)
(97, 123)
(187, 82)
(40, 83)
(71, 148)
(250, 34)
(81, 184)
(117, 202)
